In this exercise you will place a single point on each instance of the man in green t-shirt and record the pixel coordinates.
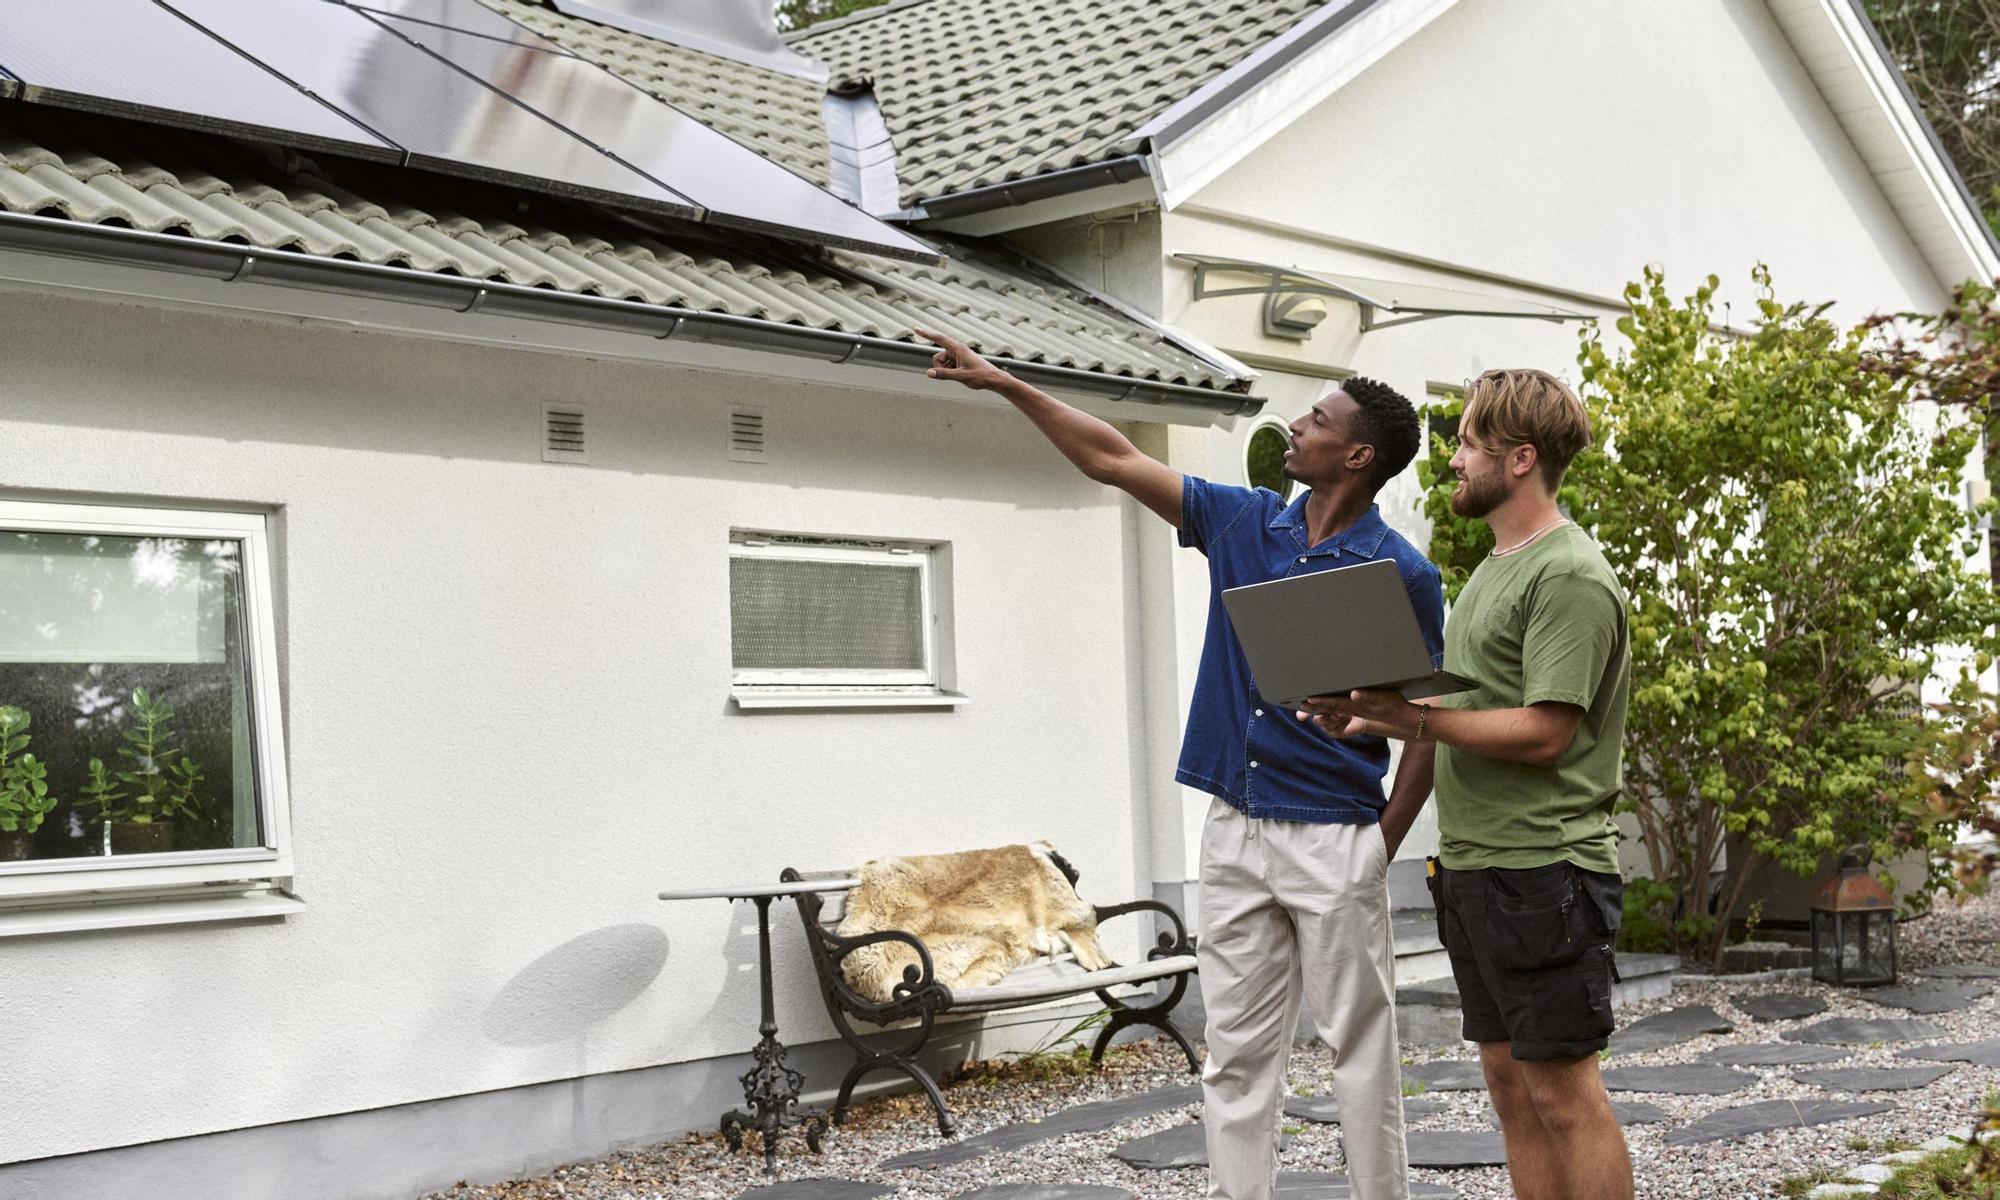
(1528, 768)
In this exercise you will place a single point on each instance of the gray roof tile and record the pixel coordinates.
(109, 172)
(978, 92)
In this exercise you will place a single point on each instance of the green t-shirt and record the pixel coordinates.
(1546, 622)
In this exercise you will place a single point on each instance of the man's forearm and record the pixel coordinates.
(1408, 794)
(1094, 445)
(1523, 735)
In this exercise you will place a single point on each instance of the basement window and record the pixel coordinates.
(835, 622)
(140, 745)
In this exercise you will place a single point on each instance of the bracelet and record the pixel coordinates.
(1423, 714)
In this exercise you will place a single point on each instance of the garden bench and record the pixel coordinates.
(921, 999)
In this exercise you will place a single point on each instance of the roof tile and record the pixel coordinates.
(216, 189)
(977, 92)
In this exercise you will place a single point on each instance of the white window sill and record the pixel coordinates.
(134, 914)
(754, 697)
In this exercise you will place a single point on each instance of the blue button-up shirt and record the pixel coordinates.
(1256, 756)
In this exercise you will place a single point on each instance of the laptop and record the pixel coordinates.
(1331, 632)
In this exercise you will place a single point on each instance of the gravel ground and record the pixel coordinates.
(701, 1167)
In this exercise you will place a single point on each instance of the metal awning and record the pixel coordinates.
(1407, 301)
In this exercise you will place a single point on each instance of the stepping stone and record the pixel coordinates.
(1678, 1081)
(1873, 1079)
(1628, 1112)
(1094, 1117)
(1780, 1006)
(1331, 1185)
(1855, 1031)
(1964, 971)
(1448, 1075)
(1453, 1148)
(1172, 1149)
(1767, 1115)
(1929, 995)
(818, 1189)
(1045, 1191)
(1323, 1110)
(1984, 1054)
(1669, 1028)
(1774, 1054)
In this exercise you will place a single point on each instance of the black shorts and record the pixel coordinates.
(1531, 950)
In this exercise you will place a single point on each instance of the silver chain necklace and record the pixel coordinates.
(1531, 537)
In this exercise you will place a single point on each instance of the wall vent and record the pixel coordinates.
(563, 433)
(746, 435)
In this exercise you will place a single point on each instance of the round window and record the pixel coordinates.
(1264, 458)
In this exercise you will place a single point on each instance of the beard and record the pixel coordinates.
(1474, 498)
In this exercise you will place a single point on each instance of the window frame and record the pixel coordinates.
(859, 682)
(272, 859)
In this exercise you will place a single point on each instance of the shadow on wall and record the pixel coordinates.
(560, 995)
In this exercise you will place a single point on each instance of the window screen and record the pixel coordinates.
(804, 614)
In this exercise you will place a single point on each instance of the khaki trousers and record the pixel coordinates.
(1291, 911)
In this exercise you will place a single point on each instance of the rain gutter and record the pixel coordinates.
(236, 263)
(1033, 188)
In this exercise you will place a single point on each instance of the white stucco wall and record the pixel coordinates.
(506, 689)
(1570, 143)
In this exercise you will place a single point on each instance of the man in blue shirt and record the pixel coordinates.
(1296, 845)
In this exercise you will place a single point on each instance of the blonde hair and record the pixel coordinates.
(1526, 407)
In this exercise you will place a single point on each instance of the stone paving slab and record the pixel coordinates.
(1628, 1112)
(1669, 1028)
(1045, 1191)
(1321, 1110)
(1873, 1079)
(1094, 1117)
(1324, 1110)
(1767, 1115)
(1929, 995)
(1964, 971)
(1172, 1149)
(1448, 1075)
(1775, 1054)
(1780, 1006)
(1855, 1031)
(1984, 1054)
(1678, 1081)
(818, 1189)
(1332, 1185)
(1455, 1148)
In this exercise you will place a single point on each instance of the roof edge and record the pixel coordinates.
(1946, 168)
(1026, 190)
(234, 262)
(1172, 122)
(1219, 359)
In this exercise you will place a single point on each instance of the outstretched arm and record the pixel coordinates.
(1097, 449)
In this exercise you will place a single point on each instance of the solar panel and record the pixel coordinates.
(738, 186)
(446, 119)
(133, 58)
(468, 16)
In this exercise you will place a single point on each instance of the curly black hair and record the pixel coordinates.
(1387, 421)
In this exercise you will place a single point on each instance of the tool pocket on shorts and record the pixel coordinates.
(1572, 1006)
(1534, 918)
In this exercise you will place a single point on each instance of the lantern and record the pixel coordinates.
(1853, 926)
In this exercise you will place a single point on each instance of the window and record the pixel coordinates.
(139, 733)
(826, 620)
(1264, 457)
